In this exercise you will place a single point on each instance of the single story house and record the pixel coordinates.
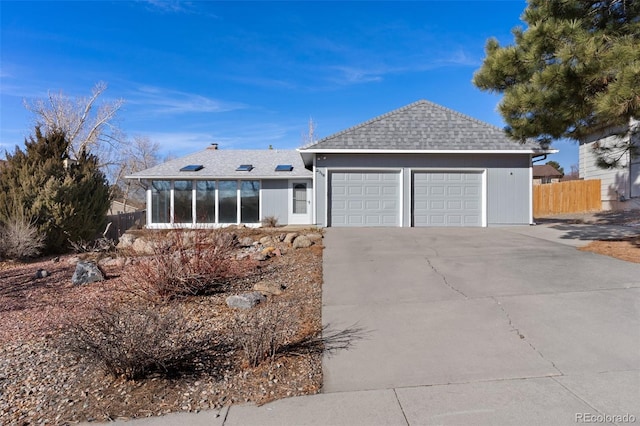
(420, 165)
(545, 173)
(620, 185)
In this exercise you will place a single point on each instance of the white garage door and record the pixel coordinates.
(447, 199)
(365, 199)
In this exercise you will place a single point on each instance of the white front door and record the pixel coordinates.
(300, 202)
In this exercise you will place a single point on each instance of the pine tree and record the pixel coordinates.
(66, 200)
(574, 70)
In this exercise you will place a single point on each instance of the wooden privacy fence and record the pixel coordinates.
(574, 196)
(123, 221)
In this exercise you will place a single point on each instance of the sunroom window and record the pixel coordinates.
(250, 201)
(182, 201)
(161, 201)
(228, 201)
(205, 201)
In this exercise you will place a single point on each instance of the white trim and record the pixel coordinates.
(428, 151)
(401, 221)
(194, 212)
(171, 207)
(530, 191)
(149, 204)
(215, 198)
(484, 198)
(326, 197)
(238, 202)
(314, 195)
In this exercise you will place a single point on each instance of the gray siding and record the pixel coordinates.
(508, 179)
(321, 192)
(275, 199)
(508, 196)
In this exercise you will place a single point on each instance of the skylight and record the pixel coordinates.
(192, 168)
(284, 168)
(244, 168)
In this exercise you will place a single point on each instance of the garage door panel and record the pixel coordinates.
(447, 199)
(365, 198)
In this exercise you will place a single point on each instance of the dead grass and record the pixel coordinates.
(627, 249)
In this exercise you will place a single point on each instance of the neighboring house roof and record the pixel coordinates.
(423, 126)
(138, 205)
(546, 170)
(222, 164)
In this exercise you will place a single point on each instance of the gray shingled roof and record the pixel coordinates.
(222, 164)
(422, 125)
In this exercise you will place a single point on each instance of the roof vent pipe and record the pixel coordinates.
(213, 146)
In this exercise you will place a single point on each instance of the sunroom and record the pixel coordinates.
(215, 188)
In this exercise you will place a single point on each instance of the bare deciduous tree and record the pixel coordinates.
(88, 125)
(140, 154)
(310, 136)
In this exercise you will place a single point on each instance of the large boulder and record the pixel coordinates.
(86, 272)
(302, 241)
(141, 246)
(126, 241)
(290, 237)
(246, 300)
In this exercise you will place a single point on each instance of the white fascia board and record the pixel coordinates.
(430, 151)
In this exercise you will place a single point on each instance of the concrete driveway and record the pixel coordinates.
(483, 326)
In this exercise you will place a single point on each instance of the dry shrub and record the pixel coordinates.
(20, 239)
(262, 330)
(185, 263)
(274, 328)
(270, 222)
(137, 340)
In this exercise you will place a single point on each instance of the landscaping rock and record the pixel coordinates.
(86, 272)
(314, 237)
(245, 301)
(126, 241)
(41, 273)
(290, 237)
(268, 288)
(143, 247)
(266, 241)
(245, 242)
(302, 242)
(268, 251)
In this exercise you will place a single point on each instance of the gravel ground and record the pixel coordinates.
(42, 383)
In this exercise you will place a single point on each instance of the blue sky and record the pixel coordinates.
(249, 74)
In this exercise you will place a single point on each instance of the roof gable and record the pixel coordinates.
(424, 126)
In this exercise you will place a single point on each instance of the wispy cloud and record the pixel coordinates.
(166, 101)
(356, 75)
(171, 5)
(257, 136)
(372, 71)
(178, 6)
